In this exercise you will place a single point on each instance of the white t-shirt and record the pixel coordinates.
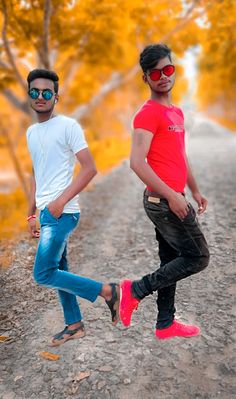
(53, 145)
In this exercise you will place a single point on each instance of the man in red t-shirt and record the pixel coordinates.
(159, 159)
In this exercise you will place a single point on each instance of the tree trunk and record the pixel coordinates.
(16, 163)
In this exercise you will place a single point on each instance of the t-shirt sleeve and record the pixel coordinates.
(75, 138)
(180, 112)
(28, 133)
(147, 120)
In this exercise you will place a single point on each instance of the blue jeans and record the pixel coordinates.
(183, 251)
(51, 266)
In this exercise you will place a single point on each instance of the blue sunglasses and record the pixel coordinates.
(47, 94)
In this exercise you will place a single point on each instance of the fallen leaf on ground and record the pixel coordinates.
(18, 377)
(106, 368)
(49, 356)
(101, 384)
(81, 376)
(3, 338)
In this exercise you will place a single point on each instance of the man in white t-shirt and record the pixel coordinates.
(54, 143)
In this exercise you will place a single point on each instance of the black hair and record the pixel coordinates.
(152, 54)
(45, 74)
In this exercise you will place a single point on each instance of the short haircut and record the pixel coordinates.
(45, 74)
(152, 54)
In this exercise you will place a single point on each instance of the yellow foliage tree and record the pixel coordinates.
(217, 64)
(94, 47)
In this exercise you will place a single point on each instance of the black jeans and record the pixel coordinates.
(183, 251)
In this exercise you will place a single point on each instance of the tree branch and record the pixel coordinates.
(117, 79)
(69, 76)
(44, 50)
(4, 65)
(16, 163)
(15, 101)
(185, 20)
(7, 46)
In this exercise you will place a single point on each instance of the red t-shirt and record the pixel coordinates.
(166, 155)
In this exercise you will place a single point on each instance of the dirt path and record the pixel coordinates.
(116, 239)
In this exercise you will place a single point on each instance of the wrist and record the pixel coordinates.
(31, 217)
(61, 201)
(170, 195)
(195, 192)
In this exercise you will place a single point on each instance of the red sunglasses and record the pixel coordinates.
(155, 74)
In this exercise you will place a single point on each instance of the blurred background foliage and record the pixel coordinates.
(94, 47)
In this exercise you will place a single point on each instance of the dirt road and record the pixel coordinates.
(115, 240)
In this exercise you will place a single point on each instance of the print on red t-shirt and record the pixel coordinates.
(166, 155)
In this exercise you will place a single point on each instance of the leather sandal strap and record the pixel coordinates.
(66, 330)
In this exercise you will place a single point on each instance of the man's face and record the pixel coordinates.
(40, 104)
(165, 83)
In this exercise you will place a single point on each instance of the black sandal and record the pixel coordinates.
(114, 303)
(66, 334)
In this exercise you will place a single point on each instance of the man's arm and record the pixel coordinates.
(140, 146)
(87, 172)
(192, 184)
(32, 208)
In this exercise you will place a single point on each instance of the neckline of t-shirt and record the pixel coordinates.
(171, 106)
(48, 121)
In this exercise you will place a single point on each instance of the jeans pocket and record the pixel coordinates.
(49, 213)
(160, 209)
(75, 217)
(191, 215)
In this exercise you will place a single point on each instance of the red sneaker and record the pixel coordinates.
(177, 330)
(127, 302)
